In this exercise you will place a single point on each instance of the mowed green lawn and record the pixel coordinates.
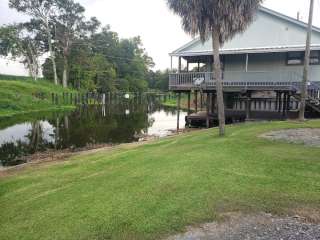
(153, 190)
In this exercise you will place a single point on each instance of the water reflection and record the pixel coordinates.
(116, 123)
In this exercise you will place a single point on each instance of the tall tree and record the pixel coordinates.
(220, 20)
(304, 90)
(44, 11)
(20, 41)
(71, 26)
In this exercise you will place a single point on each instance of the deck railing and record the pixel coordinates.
(235, 79)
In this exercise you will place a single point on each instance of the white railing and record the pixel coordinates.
(235, 79)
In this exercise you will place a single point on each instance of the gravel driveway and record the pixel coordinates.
(254, 227)
(307, 136)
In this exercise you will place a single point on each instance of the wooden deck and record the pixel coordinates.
(200, 119)
(237, 81)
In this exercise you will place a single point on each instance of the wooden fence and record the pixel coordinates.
(73, 98)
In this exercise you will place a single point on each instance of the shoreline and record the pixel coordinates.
(51, 109)
(55, 156)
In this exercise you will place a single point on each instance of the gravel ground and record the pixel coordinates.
(307, 136)
(254, 227)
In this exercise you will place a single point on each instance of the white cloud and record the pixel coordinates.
(159, 29)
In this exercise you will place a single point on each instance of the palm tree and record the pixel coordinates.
(220, 20)
(305, 80)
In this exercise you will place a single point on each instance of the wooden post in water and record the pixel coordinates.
(270, 105)
(208, 109)
(277, 102)
(213, 102)
(248, 105)
(201, 101)
(284, 105)
(178, 111)
(196, 100)
(103, 99)
(280, 102)
(189, 104)
(288, 101)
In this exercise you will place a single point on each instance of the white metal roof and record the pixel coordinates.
(270, 32)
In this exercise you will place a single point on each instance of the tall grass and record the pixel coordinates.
(20, 95)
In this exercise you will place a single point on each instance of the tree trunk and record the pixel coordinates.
(52, 53)
(304, 90)
(218, 79)
(30, 67)
(34, 65)
(65, 72)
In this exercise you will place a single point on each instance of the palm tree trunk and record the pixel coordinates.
(304, 90)
(218, 78)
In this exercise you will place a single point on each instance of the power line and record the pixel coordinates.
(114, 57)
(318, 8)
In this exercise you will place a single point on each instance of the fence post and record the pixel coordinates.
(103, 99)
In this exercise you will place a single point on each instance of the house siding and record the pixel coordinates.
(270, 62)
(266, 31)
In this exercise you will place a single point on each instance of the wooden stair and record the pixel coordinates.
(313, 98)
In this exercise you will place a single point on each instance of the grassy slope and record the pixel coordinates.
(16, 96)
(184, 102)
(149, 191)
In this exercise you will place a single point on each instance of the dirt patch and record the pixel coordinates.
(306, 136)
(261, 226)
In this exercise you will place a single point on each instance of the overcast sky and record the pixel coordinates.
(159, 29)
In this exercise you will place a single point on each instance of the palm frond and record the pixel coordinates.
(201, 17)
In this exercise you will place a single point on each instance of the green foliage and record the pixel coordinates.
(85, 57)
(150, 191)
(104, 62)
(159, 80)
(21, 41)
(14, 77)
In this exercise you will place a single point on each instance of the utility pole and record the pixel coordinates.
(305, 80)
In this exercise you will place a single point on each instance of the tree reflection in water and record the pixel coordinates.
(109, 124)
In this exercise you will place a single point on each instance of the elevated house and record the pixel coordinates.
(265, 62)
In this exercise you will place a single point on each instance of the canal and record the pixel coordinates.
(84, 128)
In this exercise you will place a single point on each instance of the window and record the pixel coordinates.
(315, 57)
(297, 58)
